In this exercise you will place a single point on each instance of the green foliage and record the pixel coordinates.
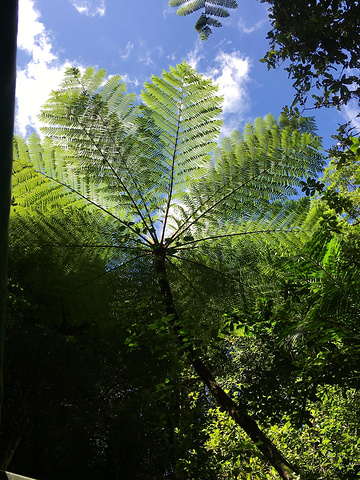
(323, 48)
(146, 186)
(329, 445)
(182, 203)
(211, 9)
(73, 382)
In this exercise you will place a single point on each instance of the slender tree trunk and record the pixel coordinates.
(8, 32)
(237, 412)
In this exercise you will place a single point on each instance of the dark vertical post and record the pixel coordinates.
(8, 34)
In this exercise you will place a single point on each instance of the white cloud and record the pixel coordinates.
(131, 80)
(42, 73)
(194, 56)
(145, 58)
(90, 7)
(231, 74)
(128, 49)
(245, 29)
(167, 10)
(32, 36)
(160, 51)
(351, 112)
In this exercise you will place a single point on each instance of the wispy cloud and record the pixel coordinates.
(351, 112)
(231, 74)
(42, 73)
(145, 53)
(134, 81)
(90, 7)
(194, 56)
(145, 58)
(160, 51)
(127, 52)
(253, 28)
(167, 10)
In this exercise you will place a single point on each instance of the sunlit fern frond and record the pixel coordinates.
(211, 10)
(140, 160)
(95, 129)
(31, 190)
(58, 245)
(332, 272)
(185, 108)
(251, 178)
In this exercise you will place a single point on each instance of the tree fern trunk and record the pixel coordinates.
(8, 31)
(237, 412)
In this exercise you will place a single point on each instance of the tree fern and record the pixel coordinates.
(179, 189)
(178, 204)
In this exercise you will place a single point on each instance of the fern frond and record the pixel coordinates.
(328, 268)
(185, 108)
(252, 174)
(211, 8)
(32, 190)
(105, 145)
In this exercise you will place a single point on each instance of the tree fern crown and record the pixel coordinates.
(169, 191)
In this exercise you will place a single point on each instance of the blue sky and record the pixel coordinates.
(138, 38)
